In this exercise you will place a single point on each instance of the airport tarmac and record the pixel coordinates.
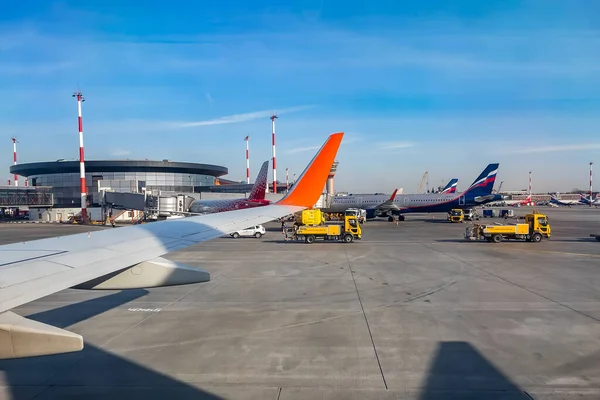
(412, 311)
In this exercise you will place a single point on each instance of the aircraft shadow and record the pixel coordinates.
(459, 371)
(92, 373)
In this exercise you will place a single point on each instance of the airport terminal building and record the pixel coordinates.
(133, 176)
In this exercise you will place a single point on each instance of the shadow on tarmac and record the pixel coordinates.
(459, 371)
(92, 373)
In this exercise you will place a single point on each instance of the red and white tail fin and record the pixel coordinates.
(260, 185)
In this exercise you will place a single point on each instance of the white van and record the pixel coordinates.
(256, 231)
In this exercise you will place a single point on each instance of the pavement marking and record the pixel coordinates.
(560, 252)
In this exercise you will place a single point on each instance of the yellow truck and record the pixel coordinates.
(313, 226)
(456, 215)
(535, 228)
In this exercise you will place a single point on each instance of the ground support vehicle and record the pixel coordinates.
(314, 227)
(256, 231)
(456, 215)
(470, 214)
(535, 228)
(489, 213)
(596, 236)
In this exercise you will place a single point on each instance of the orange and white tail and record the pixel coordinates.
(309, 187)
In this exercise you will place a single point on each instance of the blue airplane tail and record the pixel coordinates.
(450, 187)
(483, 185)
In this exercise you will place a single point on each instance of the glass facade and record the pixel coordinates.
(66, 186)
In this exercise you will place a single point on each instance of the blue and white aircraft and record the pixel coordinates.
(480, 192)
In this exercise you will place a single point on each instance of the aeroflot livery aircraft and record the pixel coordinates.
(125, 258)
(256, 198)
(480, 192)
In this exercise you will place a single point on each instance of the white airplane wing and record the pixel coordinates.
(125, 258)
(388, 204)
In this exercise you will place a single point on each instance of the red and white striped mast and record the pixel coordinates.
(287, 179)
(591, 200)
(273, 117)
(15, 160)
(530, 201)
(80, 100)
(247, 160)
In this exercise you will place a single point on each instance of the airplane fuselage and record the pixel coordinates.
(407, 203)
(216, 206)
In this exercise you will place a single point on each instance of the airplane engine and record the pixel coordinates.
(153, 273)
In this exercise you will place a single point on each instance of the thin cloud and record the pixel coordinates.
(120, 153)
(550, 149)
(233, 119)
(302, 149)
(27, 69)
(396, 145)
(209, 98)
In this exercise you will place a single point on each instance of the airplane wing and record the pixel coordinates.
(125, 258)
(388, 204)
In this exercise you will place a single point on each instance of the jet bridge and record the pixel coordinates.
(27, 196)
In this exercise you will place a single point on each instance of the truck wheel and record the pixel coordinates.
(497, 238)
(257, 235)
(536, 237)
(348, 238)
(236, 235)
(310, 239)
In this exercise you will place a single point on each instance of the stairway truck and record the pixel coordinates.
(535, 228)
(345, 231)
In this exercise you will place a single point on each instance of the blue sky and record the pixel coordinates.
(416, 85)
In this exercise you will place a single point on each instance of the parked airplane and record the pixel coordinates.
(564, 203)
(517, 203)
(256, 198)
(480, 192)
(125, 258)
(587, 201)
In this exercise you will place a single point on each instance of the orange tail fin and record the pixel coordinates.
(308, 188)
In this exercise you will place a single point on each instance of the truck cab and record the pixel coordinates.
(359, 213)
(456, 215)
(352, 225)
(538, 223)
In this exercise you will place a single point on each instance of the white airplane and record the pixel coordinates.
(125, 258)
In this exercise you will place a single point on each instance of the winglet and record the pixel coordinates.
(393, 196)
(308, 188)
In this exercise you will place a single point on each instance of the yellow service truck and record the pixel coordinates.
(313, 226)
(456, 215)
(535, 228)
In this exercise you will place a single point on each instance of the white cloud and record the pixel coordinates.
(550, 149)
(209, 98)
(396, 145)
(235, 118)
